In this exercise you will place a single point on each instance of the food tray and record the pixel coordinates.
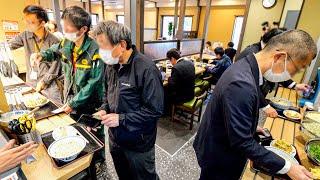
(277, 176)
(305, 133)
(15, 86)
(94, 145)
(45, 111)
(306, 117)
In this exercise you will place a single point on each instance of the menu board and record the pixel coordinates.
(10, 28)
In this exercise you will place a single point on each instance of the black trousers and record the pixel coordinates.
(218, 173)
(133, 165)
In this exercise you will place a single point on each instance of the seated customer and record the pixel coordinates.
(230, 51)
(181, 82)
(208, 48)
(223, 63)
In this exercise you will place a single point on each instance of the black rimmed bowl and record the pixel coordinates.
(309, 144)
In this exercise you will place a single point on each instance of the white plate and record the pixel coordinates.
(287, 112)
(282, 154)
(66, 149)
(64, 131)
(292, 153)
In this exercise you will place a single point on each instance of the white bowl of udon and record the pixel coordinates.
(67, 149)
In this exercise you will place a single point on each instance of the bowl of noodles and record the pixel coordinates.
(67, 149)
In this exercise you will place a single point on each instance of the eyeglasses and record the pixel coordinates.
(294, 64)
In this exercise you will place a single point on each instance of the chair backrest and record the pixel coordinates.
(198, 98)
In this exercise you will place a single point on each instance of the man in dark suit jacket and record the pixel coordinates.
(222, 63)
(225, 138)
(230, 51)
(267, 85)
(181, 83)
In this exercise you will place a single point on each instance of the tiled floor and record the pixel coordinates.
(171, 136)
(183, 165)
(180, 165)
(175, 157)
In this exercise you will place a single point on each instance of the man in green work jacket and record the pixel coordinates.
(82, 67)
(81, 64)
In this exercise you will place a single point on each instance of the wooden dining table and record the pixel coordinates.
(286, 130)
(43, 167)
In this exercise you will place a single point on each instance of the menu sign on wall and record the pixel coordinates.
(10, 28)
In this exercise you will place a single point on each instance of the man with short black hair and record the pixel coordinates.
(46, 76)
(83, 68)
(265, 27)
(222, 64)
(134, 101)
(230, 51)
(182, 79)
(275, 24)
(224, 141)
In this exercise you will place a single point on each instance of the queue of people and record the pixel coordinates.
(108, 75)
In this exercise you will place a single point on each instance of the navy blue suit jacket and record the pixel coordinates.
(225, 137)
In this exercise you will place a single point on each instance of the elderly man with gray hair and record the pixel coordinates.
(133, 102)
(224, 141)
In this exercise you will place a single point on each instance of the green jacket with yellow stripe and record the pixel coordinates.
(84, 87)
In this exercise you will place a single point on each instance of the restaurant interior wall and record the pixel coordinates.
(258, 14)
(12, 10)
(221, 21)
(308, 21)
(309, 18)
(290, 5)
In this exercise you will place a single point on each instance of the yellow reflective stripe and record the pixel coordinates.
(62, 42)
(83, 66)
(96, 56)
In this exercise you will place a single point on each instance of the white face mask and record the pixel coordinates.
(277, 77)
(72, 36)
(106, 56)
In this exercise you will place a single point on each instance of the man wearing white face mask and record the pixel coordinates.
(224, 141)
(82, 66)
(133, 102)
(268, 86)
(83, 69)
(45, 76)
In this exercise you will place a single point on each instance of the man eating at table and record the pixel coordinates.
(225, 137)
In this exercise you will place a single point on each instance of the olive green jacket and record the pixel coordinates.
(86, 82)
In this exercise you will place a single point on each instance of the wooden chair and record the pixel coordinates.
(191, 107)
